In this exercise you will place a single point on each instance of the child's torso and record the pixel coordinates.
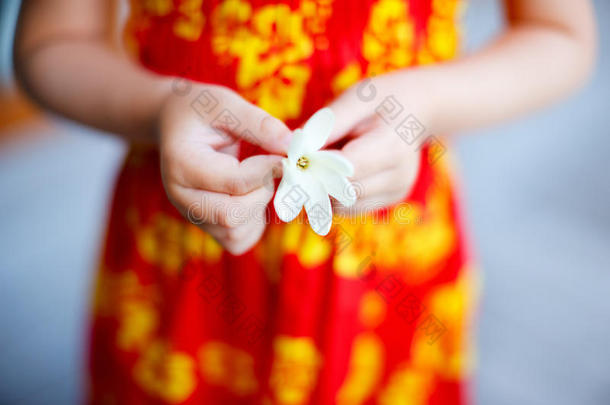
(290, 57)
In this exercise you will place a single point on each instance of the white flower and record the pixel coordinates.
(311, 174)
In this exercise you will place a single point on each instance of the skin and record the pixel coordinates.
(65, 59)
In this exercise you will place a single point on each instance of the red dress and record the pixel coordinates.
(374, 313)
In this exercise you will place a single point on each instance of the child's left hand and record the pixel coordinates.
(386, 167)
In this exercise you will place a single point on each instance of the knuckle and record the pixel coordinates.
(237, 186)
(195, 211)
(172, 190)
(238, 212)
(265, 121)
(270, 127)
(231, 214)
(221, 216)
(175, 196)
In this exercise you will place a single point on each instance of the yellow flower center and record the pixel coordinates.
(303, 162)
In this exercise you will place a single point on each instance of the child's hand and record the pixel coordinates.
(386, 166)
(201, 173)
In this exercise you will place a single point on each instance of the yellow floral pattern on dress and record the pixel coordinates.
(110, 286)
(442, 41)
(365, 370)
(138, 321)
(389, 38)
(134, 306)
(367, 354)
(294, 371)
(311, 249)
(228, 367)
(293, 238)
(316, 14)
(390, 43)
(229, 23)
(451, 355)
(407, 386)
(415, 237)
(268, 253)
(158, 8)
(372, 310)
(165, 374)
(270, 45)
(347, 77)
(189, 25)
(169, 242)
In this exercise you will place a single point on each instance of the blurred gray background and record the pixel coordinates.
(537, 194)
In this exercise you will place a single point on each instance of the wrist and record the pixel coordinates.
(159, 96)
(417, 92)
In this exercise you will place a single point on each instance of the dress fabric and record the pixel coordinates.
(376, 312)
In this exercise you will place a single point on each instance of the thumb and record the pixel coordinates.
(352, 108)
(259, 127)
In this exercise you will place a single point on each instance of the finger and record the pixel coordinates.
(214, 171)
(351, 109)
(384, 182)
(369, 205)
(241, 238)
(258, 218)
(257, 126)
(240, 246)
(372, 153)
(233, 239)
(254, 235)
(201, 207)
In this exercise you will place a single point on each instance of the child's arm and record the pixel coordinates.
(547, 51)
(63, 59)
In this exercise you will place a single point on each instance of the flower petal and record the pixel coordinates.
(333, 161)
(318, 208)
(297, 146)
(317, 129)
(336, 185)
(290, 195)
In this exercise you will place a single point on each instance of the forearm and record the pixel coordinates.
(528, 67)
(85, 80)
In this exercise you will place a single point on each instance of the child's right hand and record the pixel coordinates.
(201, 172)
